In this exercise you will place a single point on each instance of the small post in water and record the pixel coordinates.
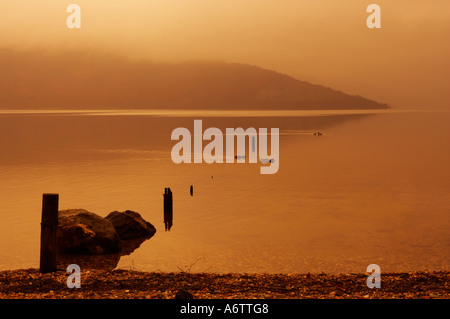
(49, 224)
(168, 208)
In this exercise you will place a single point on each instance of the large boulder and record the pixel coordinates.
(131, 225)
(83, 232)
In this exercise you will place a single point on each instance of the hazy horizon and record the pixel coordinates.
(404, 64)
(82, 80)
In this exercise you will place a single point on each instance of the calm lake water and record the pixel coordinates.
(373, 189)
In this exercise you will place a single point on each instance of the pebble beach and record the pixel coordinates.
(130, 284)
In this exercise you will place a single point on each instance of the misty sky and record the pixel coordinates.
(405, 63)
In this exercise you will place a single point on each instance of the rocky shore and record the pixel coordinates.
(129, 284)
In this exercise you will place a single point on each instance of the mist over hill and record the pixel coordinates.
(81, 80)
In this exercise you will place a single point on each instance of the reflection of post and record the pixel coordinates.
(168, 208)
(49, 224)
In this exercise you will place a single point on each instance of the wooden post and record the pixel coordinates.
(49, 224)
(168, 208)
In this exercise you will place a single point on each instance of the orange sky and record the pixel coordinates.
(405, 63)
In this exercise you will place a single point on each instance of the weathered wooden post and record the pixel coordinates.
(168, 208)
(49, 224)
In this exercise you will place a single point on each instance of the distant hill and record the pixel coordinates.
(35, 80)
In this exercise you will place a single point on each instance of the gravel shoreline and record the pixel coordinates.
(129, 284)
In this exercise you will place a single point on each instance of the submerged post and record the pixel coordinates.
(49, 224)
(168, 208)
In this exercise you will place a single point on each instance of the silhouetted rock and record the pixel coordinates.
(94, 242)
(130, 225)
(83, 232)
